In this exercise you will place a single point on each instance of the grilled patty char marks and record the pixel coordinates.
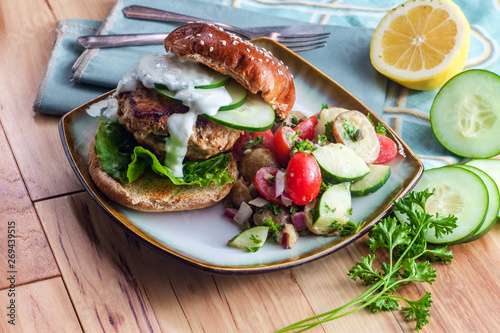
(144, 113)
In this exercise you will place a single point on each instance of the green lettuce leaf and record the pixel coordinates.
(114, 147)
(123, 160)
(195, 172)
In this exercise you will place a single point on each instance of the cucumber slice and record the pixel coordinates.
(333, 208)
(465, 114)
(378, 176)
(459, 192)
(250, 239)
(236, 91)
(162, 90)
(493, 202)
(253, 116)
(217, 80)
(339, 163)
(491, 167)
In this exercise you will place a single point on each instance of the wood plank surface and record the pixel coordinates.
(26, 251)
(28, 32)
(40, 307)
(25, 46)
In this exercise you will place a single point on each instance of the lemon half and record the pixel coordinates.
(421, 44)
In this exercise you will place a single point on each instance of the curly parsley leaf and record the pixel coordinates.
(365, 271)
(418, 310)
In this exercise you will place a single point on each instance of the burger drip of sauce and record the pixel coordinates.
(181, 77)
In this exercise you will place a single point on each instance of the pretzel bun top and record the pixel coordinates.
(254, 68)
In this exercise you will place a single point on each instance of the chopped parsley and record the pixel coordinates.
(274, 229)
(349, 131)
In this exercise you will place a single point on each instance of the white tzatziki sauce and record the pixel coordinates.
(181, 77)
(107, 107)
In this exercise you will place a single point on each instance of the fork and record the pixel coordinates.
(296, 42)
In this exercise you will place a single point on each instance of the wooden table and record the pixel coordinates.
(76, 270)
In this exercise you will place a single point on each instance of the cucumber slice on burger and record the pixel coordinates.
(236, 91)
(238, 95)
(253, 116)
(218, 80)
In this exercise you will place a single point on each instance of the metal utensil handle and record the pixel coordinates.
(89, 42)
(148, 13)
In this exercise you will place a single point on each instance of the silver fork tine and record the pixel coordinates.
(294, 36)
(286, 39)
(306, 46)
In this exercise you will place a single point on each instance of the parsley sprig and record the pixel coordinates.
(409, 260)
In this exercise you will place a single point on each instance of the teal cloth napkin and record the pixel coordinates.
(58, 92)
(345, 59)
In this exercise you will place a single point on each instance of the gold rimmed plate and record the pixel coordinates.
(199, 237)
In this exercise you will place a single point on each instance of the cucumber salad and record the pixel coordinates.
(298, 178)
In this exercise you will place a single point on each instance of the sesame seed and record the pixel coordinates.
(202, 42)
(198, 35)
(260, 60)
(223, 42)
(210, 35)
(211, 48)
(248, 50)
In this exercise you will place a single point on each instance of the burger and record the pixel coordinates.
(164, 143)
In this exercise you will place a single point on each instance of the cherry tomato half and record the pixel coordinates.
(303, 178)
(307, 128)
(238, 145)
(246, 136)
(266, 188)
(268, 138)
(388, 149)
(282, 144)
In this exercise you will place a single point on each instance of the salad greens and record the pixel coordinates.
(409, 260)
(123, 160)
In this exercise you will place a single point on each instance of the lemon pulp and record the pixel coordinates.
(421, 43)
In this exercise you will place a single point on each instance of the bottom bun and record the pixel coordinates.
(153, 193)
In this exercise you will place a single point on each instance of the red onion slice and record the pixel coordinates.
(285, 198)
(230, 212)
(299, 221)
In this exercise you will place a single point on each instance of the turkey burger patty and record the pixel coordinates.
(144, 113)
